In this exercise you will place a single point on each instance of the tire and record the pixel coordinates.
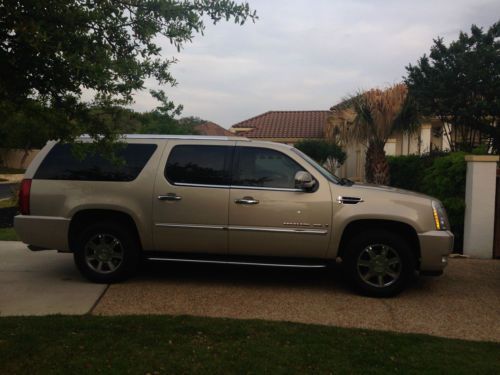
(106, 252)
(371, 272)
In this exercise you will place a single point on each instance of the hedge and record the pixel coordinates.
(441, 175)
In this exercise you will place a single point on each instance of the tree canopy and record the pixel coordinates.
(53, 53)
(460, 84)
(375, 116)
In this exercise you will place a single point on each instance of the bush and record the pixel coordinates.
(321, 150)
(438, 175)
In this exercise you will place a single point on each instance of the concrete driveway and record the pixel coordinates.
(42, 283)
(464, 303)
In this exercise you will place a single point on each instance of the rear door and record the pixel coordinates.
(268, 216)
(190, 203)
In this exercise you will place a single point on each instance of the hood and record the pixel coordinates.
(389, 189)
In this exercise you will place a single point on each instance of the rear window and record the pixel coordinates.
(199, 165)
(61, 164)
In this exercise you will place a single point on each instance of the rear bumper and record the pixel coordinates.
(434, 249)
(46, 232)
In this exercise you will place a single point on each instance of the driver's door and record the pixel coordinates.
(268, 215)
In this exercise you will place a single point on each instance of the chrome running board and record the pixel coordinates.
(259, 264)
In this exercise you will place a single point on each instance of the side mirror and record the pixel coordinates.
(304, 180)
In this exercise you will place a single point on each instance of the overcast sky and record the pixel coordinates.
(303, 55)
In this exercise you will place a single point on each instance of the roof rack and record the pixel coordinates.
(174, 136)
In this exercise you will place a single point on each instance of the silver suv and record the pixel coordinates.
(225, 200)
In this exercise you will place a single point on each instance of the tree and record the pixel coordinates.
(52, 51)
(460, 84)
(324, 152)
(376, 116)
(155, 122)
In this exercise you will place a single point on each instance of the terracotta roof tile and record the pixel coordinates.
(210, 128)
(286, 124)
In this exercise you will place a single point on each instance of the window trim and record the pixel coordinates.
(128, 144)
(236, 159)
(227, 166)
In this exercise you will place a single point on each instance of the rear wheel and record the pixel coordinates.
(106, 252)
(380, 264)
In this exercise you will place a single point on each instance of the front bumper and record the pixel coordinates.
(46, 232)
(434, 249)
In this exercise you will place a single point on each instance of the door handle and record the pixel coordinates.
(169, 197)
(246, 200)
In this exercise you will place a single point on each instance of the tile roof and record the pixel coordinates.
(210, 128)
(286, 124)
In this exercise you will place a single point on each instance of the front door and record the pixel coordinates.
(268, 216)
(190, 203)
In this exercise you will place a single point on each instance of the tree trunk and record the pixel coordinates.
(377, 167)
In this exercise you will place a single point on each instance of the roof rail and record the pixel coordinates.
(175, 136)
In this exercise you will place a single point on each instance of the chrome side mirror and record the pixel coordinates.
(304, 180)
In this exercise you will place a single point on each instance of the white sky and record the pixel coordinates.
(303, 55)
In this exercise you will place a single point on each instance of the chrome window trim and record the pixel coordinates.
(245, 228)
(201, 185)
(264, 188)
(239, 187)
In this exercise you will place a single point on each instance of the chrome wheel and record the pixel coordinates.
(379, 265)
(103, 253)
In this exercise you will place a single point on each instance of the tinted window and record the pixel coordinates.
(62, 164)
(203, 165)
(264, 168)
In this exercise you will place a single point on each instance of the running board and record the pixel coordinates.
(259, 264)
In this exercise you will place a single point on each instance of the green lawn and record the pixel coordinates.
(8, 234)
(186, 345)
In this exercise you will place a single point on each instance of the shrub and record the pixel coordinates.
(438, 175)
(321, 150)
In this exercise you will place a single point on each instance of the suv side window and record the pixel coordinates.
(199, 165)
(61, 164)
(262, 167)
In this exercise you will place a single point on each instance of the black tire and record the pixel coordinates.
(365, 263)
(104, 234)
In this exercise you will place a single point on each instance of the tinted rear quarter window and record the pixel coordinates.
(199, 165)
(61, 164)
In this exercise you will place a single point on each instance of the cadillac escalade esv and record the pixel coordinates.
(225, 200)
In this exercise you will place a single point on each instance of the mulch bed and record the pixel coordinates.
(7, 216)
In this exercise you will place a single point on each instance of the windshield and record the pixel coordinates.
(328, 175)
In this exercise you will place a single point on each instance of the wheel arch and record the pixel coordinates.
(83, 218)
(403, 229)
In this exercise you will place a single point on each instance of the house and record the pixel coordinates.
(431, 136)
(210, 128)
(292, 126)
(284, 126)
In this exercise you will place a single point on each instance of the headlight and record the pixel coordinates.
(440, 218)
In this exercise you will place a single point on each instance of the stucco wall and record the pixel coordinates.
(13, 158)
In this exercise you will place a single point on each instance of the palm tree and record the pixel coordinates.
(373, 117)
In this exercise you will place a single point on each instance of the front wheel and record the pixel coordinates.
(106, 253)
(380, 264)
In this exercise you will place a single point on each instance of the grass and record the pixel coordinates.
(8, 234)
(189, 345)
(4, 170)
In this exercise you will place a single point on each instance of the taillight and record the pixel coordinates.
(24, 197)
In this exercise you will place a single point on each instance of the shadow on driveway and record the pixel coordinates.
(464, 303)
